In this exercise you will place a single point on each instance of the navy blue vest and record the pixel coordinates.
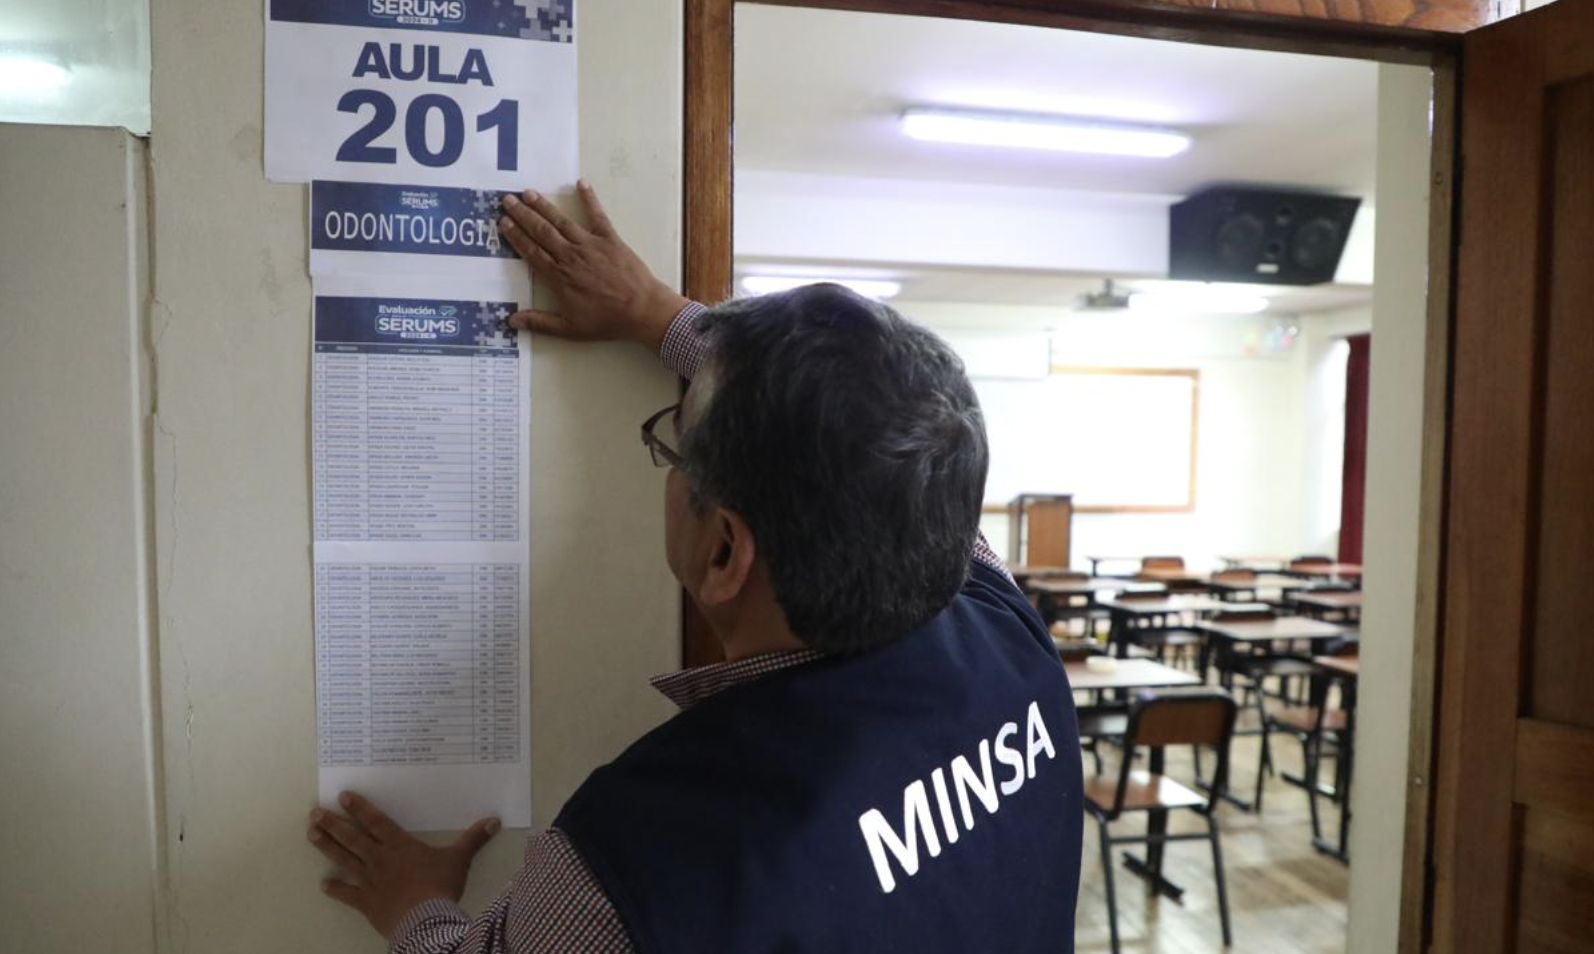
(921, 797)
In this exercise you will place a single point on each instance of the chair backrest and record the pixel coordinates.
(1162, 563)
(1199, 717)
(1158, 719)
(1187, 586)
(1238, 575)
(1310, 560)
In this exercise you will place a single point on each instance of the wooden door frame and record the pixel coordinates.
(1431, 37)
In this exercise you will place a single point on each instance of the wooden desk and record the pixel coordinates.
(1281, 629)
(1097, 561)
(1076, 598)
(1327, 571)
(1345, 604)
(1262, 581)
(1170, 575)
(1129, 674)
(1130, 615)
(1256, 562)
(1174, 603)
(1090, 585)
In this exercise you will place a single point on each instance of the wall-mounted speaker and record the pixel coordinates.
(1267, 236)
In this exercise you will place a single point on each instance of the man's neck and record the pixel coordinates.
(738, 649)
(756, 631)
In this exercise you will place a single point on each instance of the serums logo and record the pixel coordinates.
(420, 12)
(417, 322)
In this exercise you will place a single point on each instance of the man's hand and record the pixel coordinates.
(386, 870)
(606, 291)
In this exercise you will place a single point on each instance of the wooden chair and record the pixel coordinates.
(1323, 731)
(1203, 717)
(1161, 563)
(1256, 664)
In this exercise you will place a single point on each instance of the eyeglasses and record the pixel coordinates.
(663, 454)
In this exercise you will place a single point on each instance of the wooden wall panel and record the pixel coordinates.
(1514, 828)
(1557, 879)
(1554, 768)
(1561, 671)
(1491, 446)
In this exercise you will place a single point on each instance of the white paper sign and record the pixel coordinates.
(422, 579)
(478, 93)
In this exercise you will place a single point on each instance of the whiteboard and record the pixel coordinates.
(1114, 438)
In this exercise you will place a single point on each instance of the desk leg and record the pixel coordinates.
(1118, 634)
(1156, 824)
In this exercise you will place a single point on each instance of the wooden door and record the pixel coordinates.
(1513, 841)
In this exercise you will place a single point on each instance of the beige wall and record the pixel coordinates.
(230, 323)
(1394, 470)
(76, 802)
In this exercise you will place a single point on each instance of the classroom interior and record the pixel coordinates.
(1172, 462)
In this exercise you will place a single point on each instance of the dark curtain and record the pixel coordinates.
(1354, 495)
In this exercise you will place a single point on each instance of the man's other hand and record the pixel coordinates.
(605, 291)
(387, 871)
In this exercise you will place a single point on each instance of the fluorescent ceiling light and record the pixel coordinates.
(869, 288)
(1198, 300)
(30, 74)
(1040, 131)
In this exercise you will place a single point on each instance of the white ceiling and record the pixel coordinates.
(820, 91)
(1054, 290)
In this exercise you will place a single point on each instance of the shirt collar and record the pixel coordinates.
(688, 687)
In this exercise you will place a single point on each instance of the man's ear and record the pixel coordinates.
(728, 557)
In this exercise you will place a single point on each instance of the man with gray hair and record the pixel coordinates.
(888, 758)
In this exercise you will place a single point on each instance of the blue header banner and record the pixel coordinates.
(551, 21)
(420, 220)
(414, 325)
